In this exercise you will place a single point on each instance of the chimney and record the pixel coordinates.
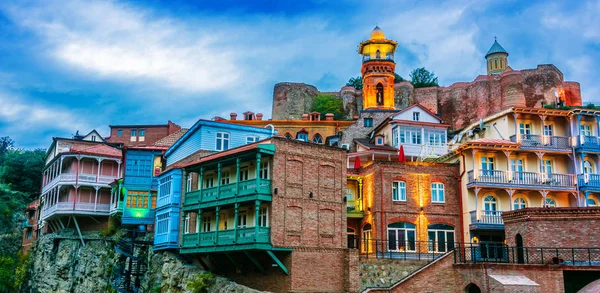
(355, 117)
(304, 117)
(259, 116)
(233, 116)
(329, 117)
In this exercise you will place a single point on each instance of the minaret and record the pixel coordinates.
(497, 59)
(378, 71)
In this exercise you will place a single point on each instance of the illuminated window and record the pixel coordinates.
(377, 54)
(440, 237)
(519, 203)
(398, 191)
(222, 143)
(401, 237)
(437, 192)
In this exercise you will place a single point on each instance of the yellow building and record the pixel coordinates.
(525, 157)
(497, 59)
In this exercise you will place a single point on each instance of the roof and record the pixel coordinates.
(377, 34)
(191, 158)
(100, 150)
(366, 143)
(170, 139)
(389, 118)
(139, 125)
(489, 142)
(496, 48)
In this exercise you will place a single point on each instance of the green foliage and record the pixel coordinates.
(421, 77)
(398, 78)
(592, 106)
(202, 283)
(7, 274)
(12, 206)
(324, 104)
(22, 170)
(356, 82)
(21, 270)
(5, 144)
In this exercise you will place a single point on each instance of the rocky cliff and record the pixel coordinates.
(60, 263)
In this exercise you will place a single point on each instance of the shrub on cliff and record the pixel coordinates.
(355, 82)
(202, 283)
(324, 104)
(421, 77)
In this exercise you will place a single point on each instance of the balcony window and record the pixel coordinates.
(437, 192)
(591, 202)
(206, 224)
(440, 237)
(487, 164)
(186, 224)
(546, 166)
(242, 220)
(395, 141)
(410, 135)
(366, 234)
(188, 186)
(225, 177)
(524, 128)
(368, 122)
(490, 203)
(516, 165)
(263, 217)
(435, 137)
(587, 167)
(264, 170)
(398, 191)
(222, 142)
(519, 203)
(585, 130)
(549, 203)
(244, 173)
(162, 224)
(209, 182)
(548, 130)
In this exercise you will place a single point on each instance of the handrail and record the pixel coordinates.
(521, 178)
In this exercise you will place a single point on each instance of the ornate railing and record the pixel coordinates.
(588, 180)
(231, 190)
(486, 217)
(520, 178)
(534, 141)
(227, 237)
(65, 207)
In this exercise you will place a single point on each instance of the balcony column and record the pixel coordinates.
(477, 190)
(597, 126)
(517, 134)
(118, 168)
(235, 221)
(473, 155)
(585, 198)
(544, 193)
(258, 155)
(510, 196)
(256, 216)
(509, 171)
(218, 180)
(98, 173)
(545, 139)
(198, 225)
(184, 179)
(237, 176)
(60, 165)
(578, 125)
(541, 171)
(217, 225)
(360, 201)
(96, 198)
(200, 183)
(581, 163)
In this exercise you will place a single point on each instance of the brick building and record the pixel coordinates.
(30, 225)
(140, 135)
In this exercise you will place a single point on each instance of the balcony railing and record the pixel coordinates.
(533, 141)
(227, 191)
(82, 178)
(588, 180)
(227, 237)
(486, 217)
(505, 178)
(78, 207)
(500, 253)
(354, 205)
(588, 142)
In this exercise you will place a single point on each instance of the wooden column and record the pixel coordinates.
(217, 225)
(198, 226)
(200, 183)
(237, 176)
(236, 222)
(258, 156)
(256, 215)
(218, 180)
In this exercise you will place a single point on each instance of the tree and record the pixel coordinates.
(398, 78)
(22, 171)
(421, 77)
(324, 104)
(355, 82)
(5, 144)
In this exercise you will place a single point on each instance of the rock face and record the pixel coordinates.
(62, 264)
(291, 100)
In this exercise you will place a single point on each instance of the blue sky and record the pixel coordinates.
(77, 65)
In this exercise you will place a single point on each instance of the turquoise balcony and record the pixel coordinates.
(248, 190)
(227, 240)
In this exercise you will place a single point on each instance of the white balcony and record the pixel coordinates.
(77, 208)
(72, 179)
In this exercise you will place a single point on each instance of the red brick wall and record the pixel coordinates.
(152, 135)
(553, 227)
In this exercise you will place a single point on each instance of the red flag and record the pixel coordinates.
(357, 162)
(401, 156)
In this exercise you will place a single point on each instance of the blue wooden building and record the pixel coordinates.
(205, 137)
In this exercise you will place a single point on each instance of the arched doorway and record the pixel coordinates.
(379, 95)
(519, 242)
(472, 288)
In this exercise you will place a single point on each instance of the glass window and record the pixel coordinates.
(587, 167)
(263, 217)
(490, 203)
(142, 132)
(591, 202)
(440, 237)
(206, 223)
(264, 170)
(317, 139)
(302, 136)
(188, 186)
(222, 141)
(416, 116)
(379, 141)
(437, 192)
(288, 136)
(410, 135)
(120, 132)
(162, 223)
(244, 173)
(225, 177)
(546, 166)
(368, 122)
(164, 187)
(251, 139)
(186, 224)
(524, 128)
(435, 136)
(401, 237)
(519, 203)
(548, 130)
(487, 164)
(395, 142)
(133, 132)
(549, 202)
(242, 220)
(399, 191)
(93, 138)
(585, 130)
(209, 182)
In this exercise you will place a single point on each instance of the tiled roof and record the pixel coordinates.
(100, 150)
(496, 48)
(492, 141)
(170, 139)
(191, 158)
(365, 142)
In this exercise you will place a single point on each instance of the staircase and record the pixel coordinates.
(128, 272)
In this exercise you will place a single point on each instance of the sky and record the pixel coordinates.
(71, 65)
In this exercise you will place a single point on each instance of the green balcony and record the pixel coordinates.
(227, 240)
(248, 190)
(354, 209)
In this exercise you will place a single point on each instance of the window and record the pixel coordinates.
(133, 132)
(585, 130)
(366, 238)
(263, 217)
(500, 63)
(209, 182)
(395, 141)
(496, 63)
(435, 137)
(264, 170)
(302, 136)
(440, 237)
(251, 139)
(317, 139)
(487, 165)
(120, 132)
(242, 220)
(587, 167)
(516, 166)
(398, 191)
(225, 177)
(249, 116)
(93, 138)
(186, 224)
(591, 202)
(244, 173)
(410, 135)
(379, 140)
(416, 116)
(162, 223)
(368, 122)
(490, 204)
(206, 224)
(550, 203)
(222, 141)
(164, 187)
(548, 130)
(401, 237)
(519, 203)
(524, 128)
(288, 136)
(188, 186)
(546, 166)
(377, 54)
(437, 192)
(346, 146)
(29, 233)
(142, 132)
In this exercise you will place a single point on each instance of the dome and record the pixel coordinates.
(377, 34)
(496, 48)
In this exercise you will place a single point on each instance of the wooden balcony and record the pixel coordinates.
(77, 208)
(248, 190)
(354, 209)
(520, 180)
(227, 240)
(81, 179)
(589, 182)
(542, 142)
(587, 143)
(486, 220)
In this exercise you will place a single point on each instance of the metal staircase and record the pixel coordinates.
(127, 275)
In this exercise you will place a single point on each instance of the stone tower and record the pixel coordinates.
(497, 59)
(378, 71)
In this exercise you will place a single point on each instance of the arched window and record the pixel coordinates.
(490, 204)
(288, 136)
(592, 202)
(549, 202)
(366, 238)
(440, 237)
(401, 237)
(500, 63)
(317, 139)
(588, 167)
(472, 288)
(379, 95)
(377, 55)
(519, 203)
(496, 64)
